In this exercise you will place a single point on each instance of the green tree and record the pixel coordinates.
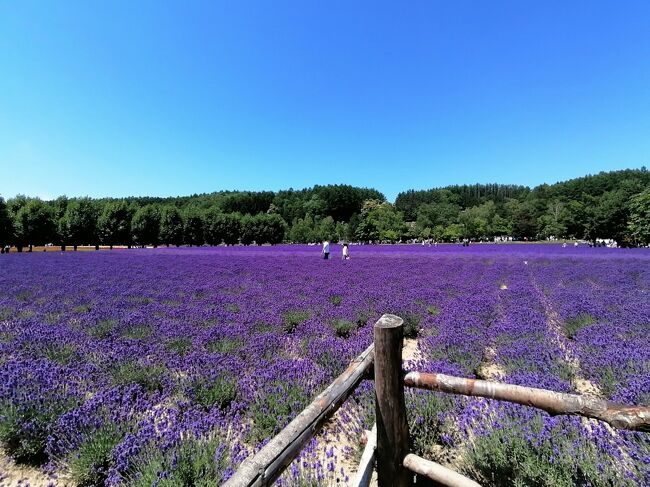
(249, 230)
(521, 216)
(551, 224)
(262, 229)
(6, 225)
(78, 226)
(315, 207)
(114, 223)
(639, 219)
(60, 205)
(453, 232)
(222, 227)
(380, 221)
(353, 224)
(171, 226)
(478, 220)
(326, 229)
(193, 231)
(273, 228)
(302, 230)
(145, 226)
(35, 224)
(341, 231)
(500, 226)
(574, 219)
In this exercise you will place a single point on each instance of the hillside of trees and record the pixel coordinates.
(613, 205)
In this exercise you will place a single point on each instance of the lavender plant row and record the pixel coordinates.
(168, 367)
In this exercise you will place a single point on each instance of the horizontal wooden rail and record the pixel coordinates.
(555, 403)
(266, 465)
(436, 472)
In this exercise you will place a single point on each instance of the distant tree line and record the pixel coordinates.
(606, 205)
(612, 205)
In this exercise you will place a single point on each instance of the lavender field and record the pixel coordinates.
(168, 367)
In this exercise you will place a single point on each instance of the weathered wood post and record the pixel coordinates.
(392, 427)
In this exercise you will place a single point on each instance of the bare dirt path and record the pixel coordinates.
(13, 475)
(554, 323)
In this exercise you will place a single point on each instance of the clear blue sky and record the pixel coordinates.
(172, 98)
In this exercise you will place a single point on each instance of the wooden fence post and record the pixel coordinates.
(392, 427)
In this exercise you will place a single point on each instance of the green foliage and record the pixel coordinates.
(196, 462)
(220, 227)
(639, 219)
(411, 323)
(35, 224)
(78, 225)
(137, 332)
(6, 312)
(433, 310)
(302, 230)
(171, 225)
(606, 205)
(26, 313)
(180, 345)
(82, 308)
(271, 410)
(193, 230)
(102, 329)
(464, 196)
(363, 317)
(380, 221)
(145, 225)
(6, 225)
(114, 223)
(573, 325)
(263, 327)
(262, 229)
(426, 410)
(219, 392)
(24, 429)
(608, 381)
(24, 295)
(89, 464)
(293, 318)
(523, 456)
(343, 328)
(246, 202)
(52, 317)
(60, 353)
(224, 345)
(335, 299)
(150, 377)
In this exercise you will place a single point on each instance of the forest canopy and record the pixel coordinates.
(609, 205)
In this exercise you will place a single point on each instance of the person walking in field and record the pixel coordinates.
(326, 250)
(346, 252)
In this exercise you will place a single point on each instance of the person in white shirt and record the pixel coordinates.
(326, 250)
(346, 252)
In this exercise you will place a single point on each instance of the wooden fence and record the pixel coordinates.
(389, 449)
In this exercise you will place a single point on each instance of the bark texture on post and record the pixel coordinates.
(392, 427)
(619, 416)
